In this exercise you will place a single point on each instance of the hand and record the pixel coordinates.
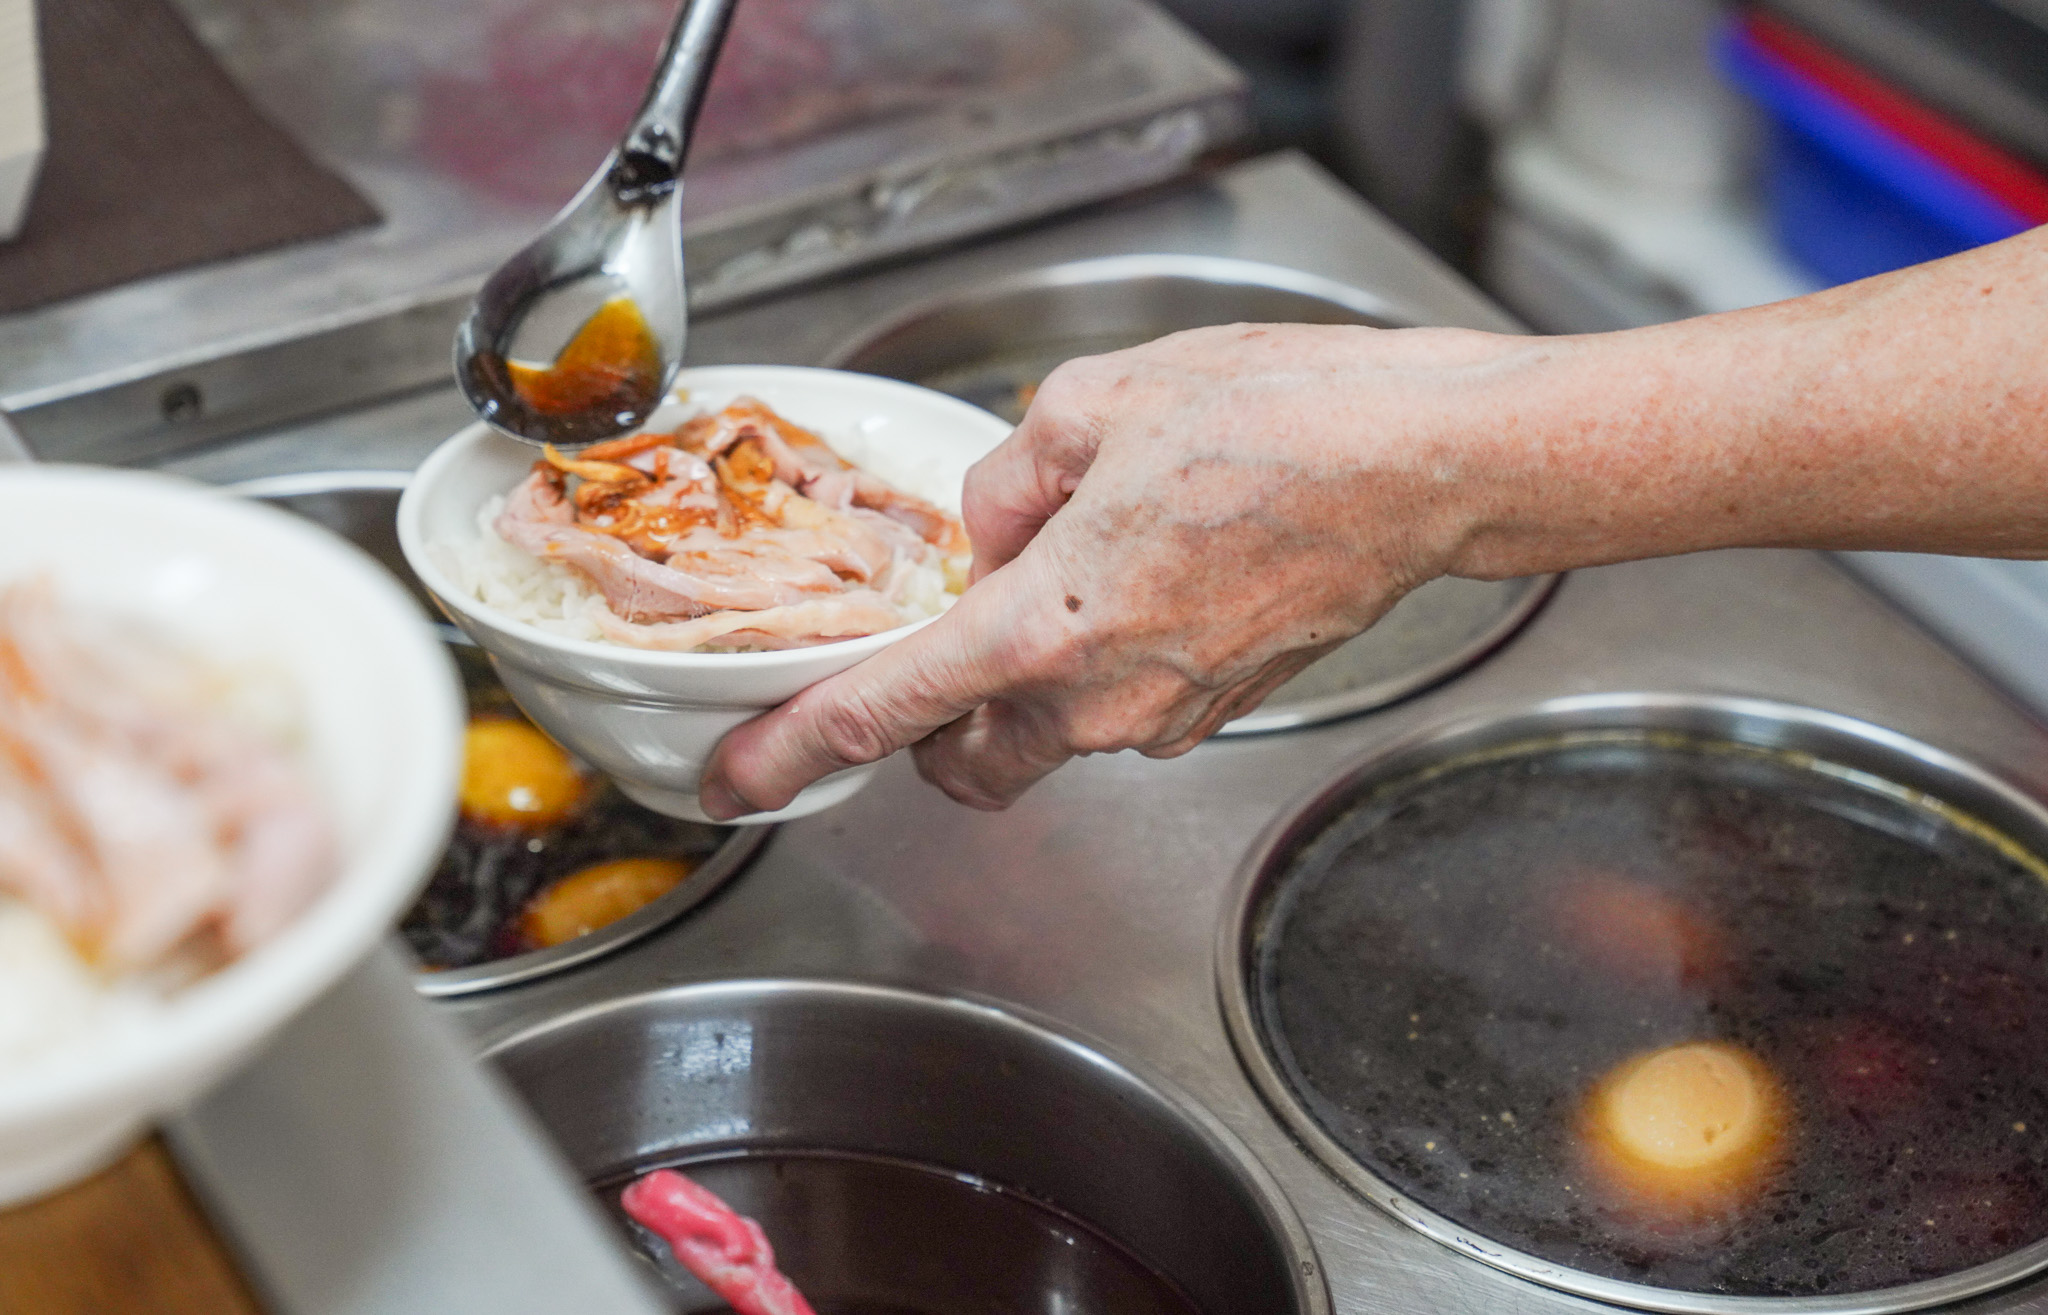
(1172, 533)
(1176, 529)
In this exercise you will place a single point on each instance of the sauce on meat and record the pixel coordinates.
(740, 530)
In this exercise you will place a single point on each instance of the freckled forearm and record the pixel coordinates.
(1906, 413)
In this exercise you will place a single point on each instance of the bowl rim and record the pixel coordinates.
(413, 542)
(199, 1028)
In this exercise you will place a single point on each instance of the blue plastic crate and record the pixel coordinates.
(1847, 197)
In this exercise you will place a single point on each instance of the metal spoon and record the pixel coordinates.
(620, 238)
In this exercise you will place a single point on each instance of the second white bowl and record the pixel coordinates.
(650, 720)
(380, 725)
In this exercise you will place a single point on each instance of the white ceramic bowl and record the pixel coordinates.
(382, 722)
(650, 720)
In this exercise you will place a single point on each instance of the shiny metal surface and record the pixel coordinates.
(1835, 744)
(621, 237)
(944, 1082)
(1133, 299)
(362, 506)
(1125, 98)
(990, 342)
(1094, 902)
(1405, 651)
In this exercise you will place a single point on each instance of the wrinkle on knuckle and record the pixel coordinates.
(977, 499)
(851, 733)
(1085, 729)
(963, 780)
(973, 795)
(1174, 748)
(1088, 736)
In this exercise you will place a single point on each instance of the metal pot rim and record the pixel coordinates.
(1222, 270)
(1736, 719)
(1307, 1275)
(1537, 590)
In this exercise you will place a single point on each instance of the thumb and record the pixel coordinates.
(1013, 491)
(863, 715)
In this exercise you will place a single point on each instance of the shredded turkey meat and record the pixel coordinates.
(738, 530)
(135, 814)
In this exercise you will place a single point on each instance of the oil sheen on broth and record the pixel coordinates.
(1450, 972)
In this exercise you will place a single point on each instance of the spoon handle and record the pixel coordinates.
(650, 157)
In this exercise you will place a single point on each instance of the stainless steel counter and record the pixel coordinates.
(1023, 110)
(1096, 900)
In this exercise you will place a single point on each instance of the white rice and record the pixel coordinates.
(546, 595)
(560, 600)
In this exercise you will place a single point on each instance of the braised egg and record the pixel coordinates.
(1689, 1129)
(1635, 931)
(514, 776)
(598, 896)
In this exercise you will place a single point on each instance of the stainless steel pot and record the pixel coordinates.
(695, 1074)
(1947, 791)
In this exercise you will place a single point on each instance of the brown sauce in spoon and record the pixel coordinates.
(613, 364)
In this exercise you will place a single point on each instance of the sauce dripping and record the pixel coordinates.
(607, 378)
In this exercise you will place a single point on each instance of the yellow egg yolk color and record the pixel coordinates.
(1687, 1107)
(1695, 1126)
(514, 776)
(598, 896)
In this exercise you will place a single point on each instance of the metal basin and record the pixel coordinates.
(909, 1153)
(988, 343)
(362, 506)
(992, 344)
(1432, 964)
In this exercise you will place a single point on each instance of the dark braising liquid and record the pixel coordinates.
(606, 381)
(612, 364)
(864, 1235)
(470, 911)
(1448, 968)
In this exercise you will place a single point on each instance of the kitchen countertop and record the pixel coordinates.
(1096, 900)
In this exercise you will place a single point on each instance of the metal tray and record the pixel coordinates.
(1024, 108)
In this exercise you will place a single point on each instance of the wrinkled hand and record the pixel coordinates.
(1171, 533)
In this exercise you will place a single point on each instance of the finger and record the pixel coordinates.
(1013, 491)
(863, 715)
(991, 756)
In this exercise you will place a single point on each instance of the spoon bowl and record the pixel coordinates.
(578, 337)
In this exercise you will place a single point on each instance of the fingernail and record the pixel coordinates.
(718, 801)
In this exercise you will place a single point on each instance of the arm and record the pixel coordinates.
(1177, 529)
